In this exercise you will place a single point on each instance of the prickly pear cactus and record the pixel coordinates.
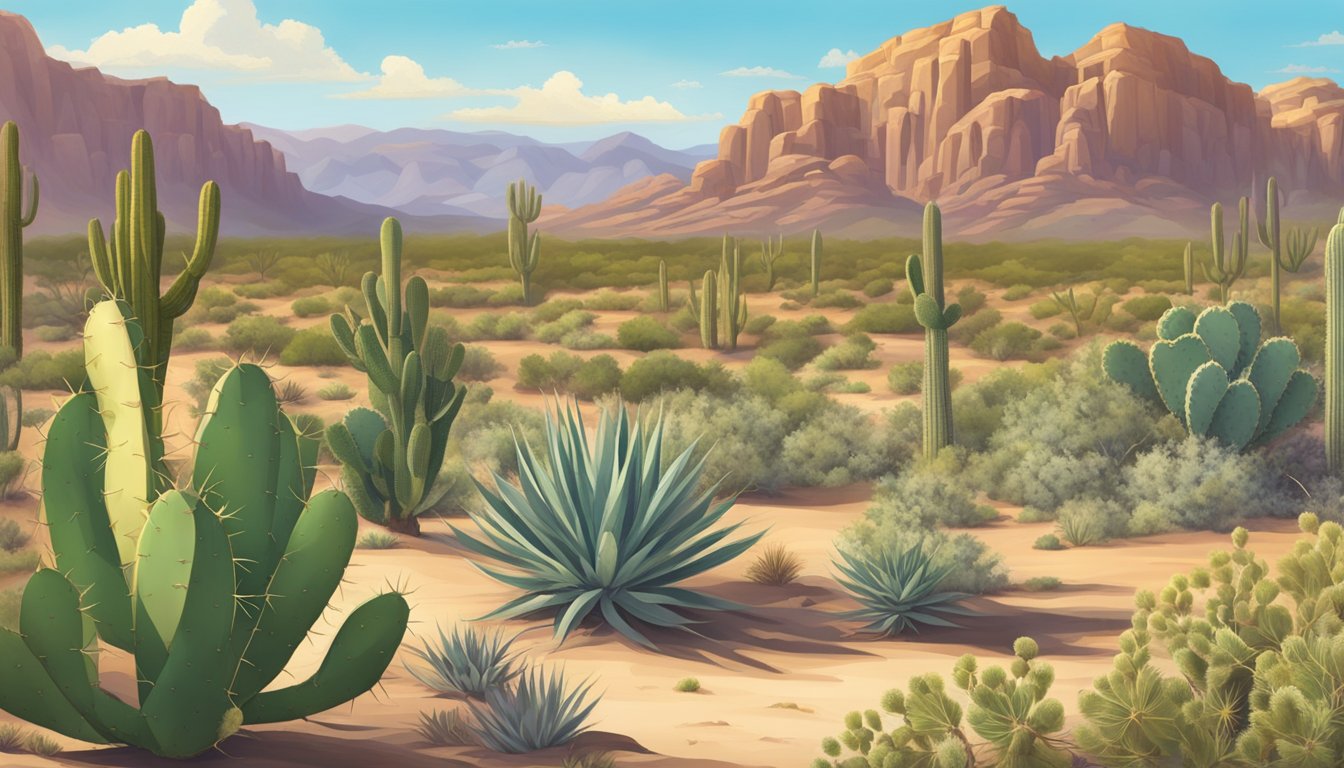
(211, 589)
(1215, 375)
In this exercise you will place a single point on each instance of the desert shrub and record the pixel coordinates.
(744, 430)
(467, 662)
(793, 351)
(207, 372)
(663, 371)
(554, 309)
(378, 540)
(687, 685)
(1086, 521)
(585, 339)
(837, 449)
(215, 305)
(40, 369)
(758, 324)
(884, 318)
(495, 326)
(459, 296)
(775, 566)
(336, 391)
(263, 290)
(1147, 308)
(36, 417)
(552, 332)
(193, 340)
(854, 353)
(479, 364)
(1304, 321)
(908, 378)
(1045, 308)
(1048, 542)
(1006, 341)
(645, 334)
(1017, 292)
(836, 300)
(259, 335)
(611, 301)
(445, 728)
(969, 327)
(1042, 584)
(683, 320)
(564, 372)
(813, 325)
(538, 712)
(13, 468)
(878, 287)
(1198, 484)
(483, 435)
(599, 375)
(313, 346)
(971, 299)
(974, 567)
(928, 494)
(511, 295)
(54, 333)
(311, 306)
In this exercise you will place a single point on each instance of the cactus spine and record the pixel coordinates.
(925, 277)
(816, 262)
(13, 219)
(1189, 263)
(524, 249)
(212, 593)
(130, 267)
(1226, 266)
(391, 457)
(664, 296)
(770, 252)
(732, 301)
(1334, 348)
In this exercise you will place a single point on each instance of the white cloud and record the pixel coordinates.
(512, 44)
(1329, 38)
(220, 35)
(561, 101)
(761, 72)
(1302, 69)
(837, 58)
(404, 78)
(685, 84)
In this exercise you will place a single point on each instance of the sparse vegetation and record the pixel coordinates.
(687, 685)
(775, 566)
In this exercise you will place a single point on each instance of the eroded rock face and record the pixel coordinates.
(1130, 132)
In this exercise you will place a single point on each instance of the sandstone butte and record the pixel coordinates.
(1130, 134)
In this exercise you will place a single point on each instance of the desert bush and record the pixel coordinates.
(1006, 341)
(378, 540)
(445, 728)
(1017, 292)
(1198, 484)
(758, 324)
(193, 340)
(564, 372)
(970, 327)
(611, 301)
(263, 290)
(928, 494)
(459, 296)
(884, 318)
(552, 332)
(336, 390)
(550, 311)
(13, 468)
(40, 369)
(259, 335)
(854, 353)
(465, 663)
(663, 371)
(878, 287)
(290, 392)
(687, 685)
(207, 372)
(908, 378)
(54, 333)
(538, 712)
(1048, 542)
(313, 346)
(836, 300)
(483, 435)
(832, 450)
(645, 334)
(1045, 308)
(511, 296)
(1147, 308)
(793, 351)
(971, 299)
(215, 305)
(36, 417)
(744, 430)
(971, 565)
(1086, 521)
(478, 364)
(775, 566)
(495, 326)
(311, 306)
(587, 340)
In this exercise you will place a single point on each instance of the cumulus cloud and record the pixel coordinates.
(405, 78)
(761, 72)
(687, 84)
(561, 101)
(220, 35)
(513, 44)
(1329, 38)
(1302, 69)
(837, 58)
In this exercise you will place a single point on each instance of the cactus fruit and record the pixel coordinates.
(211, 591)
(732, 302)
(131, 265)
(14, 217)
(770, 251)
(816, 262)
(1188, 264)
(1226, 266)
(1215, 375)
(1334, 348)
(1300, 244)
(664, 296)
(924, 274)
(524, 249)
(391, 458)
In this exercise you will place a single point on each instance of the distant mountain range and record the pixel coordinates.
(437, 172)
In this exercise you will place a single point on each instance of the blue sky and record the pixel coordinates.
(677, 71)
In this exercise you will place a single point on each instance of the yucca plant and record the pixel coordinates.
(445, 728)
(538, 712)
(603, 527)
(898, 591)
(466, 662)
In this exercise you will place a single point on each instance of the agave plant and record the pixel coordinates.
(603, 527)
(467, 662)
(898, 591)
(538, 712)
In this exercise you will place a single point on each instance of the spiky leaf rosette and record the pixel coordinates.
(898, 591)
(603, 528)
(538, 712)
(467, 662)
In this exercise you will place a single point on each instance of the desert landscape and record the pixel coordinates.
(978, 408)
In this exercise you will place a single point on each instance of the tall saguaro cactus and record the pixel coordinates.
(770, 252)
(925, 277)
(706, 309)
(1300, 243)
(1188, 261)
(391, 457)
(1334, 348)
(13, 218)
(130, 266)
(524, 249)
(664, 295)
(1226, 266)
(816, 262)
(732, 300)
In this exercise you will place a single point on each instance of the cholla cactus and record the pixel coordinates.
(1009, 709)
(391, 457)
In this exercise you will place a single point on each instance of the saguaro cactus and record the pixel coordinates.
(130, 267)
(925, 277)
(212, 593)
(1226, 266)
(13, 219)
(706, 308)
(1300, 244)
(664, 296)
(524, 249)
(1080, 312)
(816, 262)
(1188, 261)
(770, 251)
(1334, 348)
(732, 300)
(392, 456)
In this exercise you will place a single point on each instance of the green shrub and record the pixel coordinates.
(1017, 292)
(1083, 522)
(267, 290)
(465, 663)
(336, 391)
(836, 450)
(585, 339)
(1198, 484)
(54, 333)
(260, 335)
(459, 296)
(970, 327)
(1048, 542)
(599, 375)
(878, 287)
(207, 372)
(378, 540)
(1045, 309)
(836, 300)
(313, 346)
(552, 332)
(554, 309)
(564, 372)
(36, 417)
(971, 299)
(1147, 308)
(479, 364)
(13, 469)
(854, 353)
(758, 324)
(311, 306)
(1042, 583)
(215, 305)
(775, 566)
(1007, 341)
(663, 371)
(793, 351)
(884, 318)
(41, 369)
(908, 378)
(687, 685)
(494, 326)
(611, 301)
(645, 334)
(926, 495)
(193, 340)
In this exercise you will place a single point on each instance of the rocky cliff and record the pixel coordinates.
(76, 127)
(1132, 133)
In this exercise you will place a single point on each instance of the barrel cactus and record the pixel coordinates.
(1216, 376)
(391, 456)
(210, 588)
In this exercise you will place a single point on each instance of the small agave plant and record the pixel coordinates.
(466, 663)
(898, 591)
(604, 527)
